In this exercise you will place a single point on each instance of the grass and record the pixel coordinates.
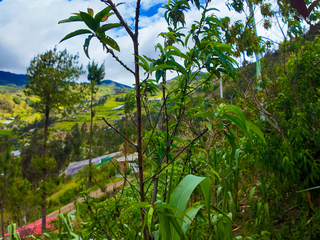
(64, 125)
(5, 132)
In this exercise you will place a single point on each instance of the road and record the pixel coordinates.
(97, 193)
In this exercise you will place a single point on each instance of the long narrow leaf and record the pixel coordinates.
(237, 110)
(134, 207)
(86, 45)
(112, 43)
(108, 26)
(150, 215)
(76, 33)
(191, 212)
(238, 122)
(89, 21)
(71, 19)
(255, 129)
(100, 15)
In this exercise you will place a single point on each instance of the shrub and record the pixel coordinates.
(16, 100)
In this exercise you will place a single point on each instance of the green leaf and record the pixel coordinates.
(47, 235)
(76, 33)
(86, 45)
(102, 14)
(108, 26)
(134, 207)
(191, 212)
(178, 67)
(161, 66)
(308, 189)
(160, 204)
(214, 173)
(254, 128)
(237, 110)
(71, 19)
(150, 215)
(110, 42)
(159, 74)
(221, 212)
(251, 195)
(178, 228)
(89, 21)
(238, 122)
(182, 193)
(232, 141)
(144, 64)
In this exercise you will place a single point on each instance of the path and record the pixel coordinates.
(97, 193)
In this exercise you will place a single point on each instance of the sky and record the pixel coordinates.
(30, 27)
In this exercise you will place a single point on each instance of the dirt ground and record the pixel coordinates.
(97, 193)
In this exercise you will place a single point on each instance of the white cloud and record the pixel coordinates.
(30, 27)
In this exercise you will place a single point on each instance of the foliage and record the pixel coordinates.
(207, 169)
(51, 78)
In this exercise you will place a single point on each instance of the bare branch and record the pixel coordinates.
(118, 132)
(179, 153)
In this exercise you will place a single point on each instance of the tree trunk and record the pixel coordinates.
(90, 151)
(126, 149)
(2, 203)
(139, 121)
(44, 201)
(46, 126)
(44, 172)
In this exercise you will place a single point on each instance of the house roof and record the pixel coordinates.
(117, 108)
(74, 167)
(130, 158)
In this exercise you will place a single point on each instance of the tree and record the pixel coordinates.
(51, 78)
(9, 170)
(95, 76)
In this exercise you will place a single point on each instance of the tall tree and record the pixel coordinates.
(51, 78)
(95, 76)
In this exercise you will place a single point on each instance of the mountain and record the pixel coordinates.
(11, 79)
(8, 78)
(116, 84)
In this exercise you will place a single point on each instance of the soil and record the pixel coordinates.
(97, 193)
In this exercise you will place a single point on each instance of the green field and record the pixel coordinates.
(82, 114)
(5, 132)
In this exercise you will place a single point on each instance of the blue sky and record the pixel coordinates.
(30, 27)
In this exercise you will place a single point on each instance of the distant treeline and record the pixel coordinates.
(37, 124)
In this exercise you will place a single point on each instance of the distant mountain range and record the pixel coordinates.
(8, 79)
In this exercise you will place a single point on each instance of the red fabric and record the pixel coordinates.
(36, 226)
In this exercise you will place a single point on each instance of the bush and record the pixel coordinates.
(16, 100)
(29, 102)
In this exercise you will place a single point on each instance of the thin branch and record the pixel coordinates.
(125, 178)
(109, 50)
(181, 151)
(132, 120)
(115, 10)
(118, 132)
(148, 113)
(156, 123)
